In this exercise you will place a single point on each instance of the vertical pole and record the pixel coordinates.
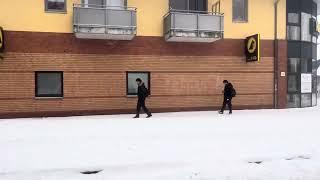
(198, 32)
(106, 19)
(275, 51)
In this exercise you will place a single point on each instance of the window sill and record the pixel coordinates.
(56, 12)
(48, 98)
(131, 96)
(240, 22)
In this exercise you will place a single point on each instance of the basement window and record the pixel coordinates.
(48, 84)
(55, 6)
(132, 87)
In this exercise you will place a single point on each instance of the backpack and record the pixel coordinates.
(147, 92)
(233, 92)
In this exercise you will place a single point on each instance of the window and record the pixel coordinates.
(305, 27)
(55, 6)
(240, 10)
(314, 99)
(314, 83)
(49, 84)
(306, 100)
(306, 65)
(293, 33)
(293, 65)
(294, 49)
(306, 50)
(132, 87)
(93, 3)
(293, 100)
(191, 5)
(314, 51)
(293, 83)
(293, 18)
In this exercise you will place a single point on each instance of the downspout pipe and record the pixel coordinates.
(275, 54)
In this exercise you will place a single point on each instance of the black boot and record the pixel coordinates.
(149, 116)
(137, 116)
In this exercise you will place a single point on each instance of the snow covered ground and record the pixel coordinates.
(280, 144)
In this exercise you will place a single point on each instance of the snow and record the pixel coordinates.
(169, 146)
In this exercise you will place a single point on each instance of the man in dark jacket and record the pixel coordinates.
(227, 96)
(143, 93)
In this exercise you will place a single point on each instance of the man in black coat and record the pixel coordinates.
(143, 93)
(228, 93)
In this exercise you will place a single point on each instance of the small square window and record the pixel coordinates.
(49, 84)
(132, 87)
(55, 6)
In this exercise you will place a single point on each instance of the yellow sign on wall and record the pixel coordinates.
(252, 45)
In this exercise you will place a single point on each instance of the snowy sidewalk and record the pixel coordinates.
(169, 146)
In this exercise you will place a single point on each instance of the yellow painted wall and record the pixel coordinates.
(150, 16)
(260, 19)
(29, 15)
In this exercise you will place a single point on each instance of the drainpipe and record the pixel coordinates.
(275, 53)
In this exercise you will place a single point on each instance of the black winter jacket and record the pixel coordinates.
(143, 92)
(228, 88)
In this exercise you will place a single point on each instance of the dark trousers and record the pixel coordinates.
(225, 103)
(141, 104)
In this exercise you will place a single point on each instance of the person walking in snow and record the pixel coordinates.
(228, 93)
(143, 93)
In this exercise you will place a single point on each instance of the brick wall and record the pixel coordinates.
(95, 81)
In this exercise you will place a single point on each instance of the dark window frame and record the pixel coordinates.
(187, 8)
(46, 8)
(246, 18)
(37, 95)
(137, 72)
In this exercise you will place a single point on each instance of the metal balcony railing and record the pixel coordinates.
(104, 22)
(195, 26)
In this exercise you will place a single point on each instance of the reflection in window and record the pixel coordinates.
(306, 100)
(293, 100)
(293, 33)
(305, 27)
(293, 18)
(314, 99)
(314, 83)
(293, 83)
(293, 65)
(240, 10)
(55, 5)
(132, 87)
(49, 84)
(306, 65)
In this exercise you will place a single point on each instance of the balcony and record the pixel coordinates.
(104, 22)
(185, 26)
